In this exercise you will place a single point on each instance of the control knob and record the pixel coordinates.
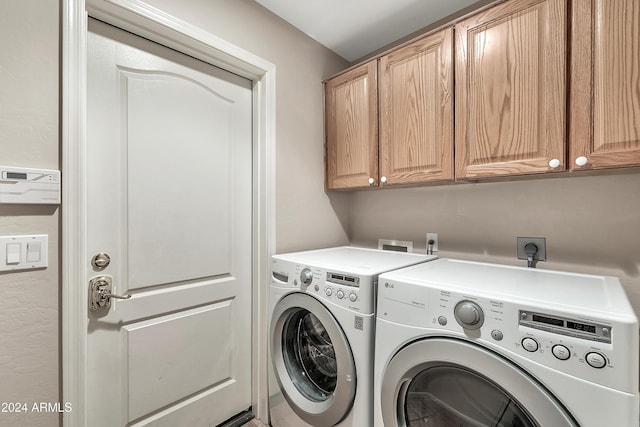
(469, 314)
(306, 276)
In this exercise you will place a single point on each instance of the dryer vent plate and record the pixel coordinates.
(395, 245)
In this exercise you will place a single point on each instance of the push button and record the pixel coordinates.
(530, 344)
(497, 335)
(596, 360)
(561, 352)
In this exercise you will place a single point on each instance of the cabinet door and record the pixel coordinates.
(351, 121)
(605, 84)
(416, 111)
(510, 89)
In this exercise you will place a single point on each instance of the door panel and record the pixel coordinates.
(351, 109)
(510, 89)
(169, 199)
(193, 192)
(416, 111)
(161, 373)
(615, 70)
(605, 90)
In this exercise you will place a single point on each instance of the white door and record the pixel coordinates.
(169, 201)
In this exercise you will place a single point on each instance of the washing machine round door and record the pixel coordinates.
(312, 360)
(441, 382)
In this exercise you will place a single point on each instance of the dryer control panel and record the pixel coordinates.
(566, 326)
(582, 345)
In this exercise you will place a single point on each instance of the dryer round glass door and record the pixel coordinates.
(451, 395)
(445, 381)
(312, 360)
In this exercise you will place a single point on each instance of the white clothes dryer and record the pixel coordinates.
(322, 306)
(474, 344)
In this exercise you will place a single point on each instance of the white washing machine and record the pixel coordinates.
(473, 344)
(322, 307)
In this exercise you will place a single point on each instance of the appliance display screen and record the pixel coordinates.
(16, 175)
(548, 320)
(567, 326)
(581, 327)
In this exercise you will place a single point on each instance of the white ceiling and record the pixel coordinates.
(355, 28)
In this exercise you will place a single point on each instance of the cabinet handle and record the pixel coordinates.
(554, 163)
(372, 181)
(581, 161)
(383, 179)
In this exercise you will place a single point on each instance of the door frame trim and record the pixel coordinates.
(146, 21)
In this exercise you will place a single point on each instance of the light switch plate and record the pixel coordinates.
(32, 252)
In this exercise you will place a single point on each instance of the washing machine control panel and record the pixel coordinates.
(346, 290)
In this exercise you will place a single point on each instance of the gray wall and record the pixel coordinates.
(29, 136)
(591, 223)
(29, 301)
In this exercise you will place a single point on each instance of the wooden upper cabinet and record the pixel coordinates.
(605, 84)
(351, 128)
(510, 89)
(416, 111)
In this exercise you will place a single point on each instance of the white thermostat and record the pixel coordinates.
(26, 185)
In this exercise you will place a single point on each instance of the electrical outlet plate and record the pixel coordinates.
(540, 242)
(434, 237)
